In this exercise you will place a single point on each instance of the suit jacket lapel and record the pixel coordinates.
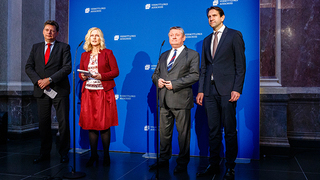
(208, 50)
(42, 54)
(164, 62)
(180, 58)
(223, 37)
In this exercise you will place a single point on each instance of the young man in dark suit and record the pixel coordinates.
(223, 66)
(176, 72)
(48, 67)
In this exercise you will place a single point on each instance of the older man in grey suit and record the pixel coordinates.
(176, 72)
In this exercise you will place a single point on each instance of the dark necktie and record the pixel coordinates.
(215, 43)
(172, 60)
(47, 55)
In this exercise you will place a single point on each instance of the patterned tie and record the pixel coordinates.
(47, 55)
(215, 43)
(172, 60)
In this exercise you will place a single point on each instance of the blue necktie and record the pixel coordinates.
(172, 60)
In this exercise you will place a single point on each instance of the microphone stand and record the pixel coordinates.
(157, 124)
(73, 174)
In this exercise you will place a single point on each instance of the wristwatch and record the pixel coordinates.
(50, 80)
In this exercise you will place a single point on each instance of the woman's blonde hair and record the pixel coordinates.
(87, 45)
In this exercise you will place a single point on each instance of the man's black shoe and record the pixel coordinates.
(161, 164)
(64, 159)
(180, 169)
(41, 158)
(211, 170)
(229, 174)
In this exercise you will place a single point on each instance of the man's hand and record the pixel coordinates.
(199, 98)
(44, 83)
(234, 96)
(168, 85)
(161, 83)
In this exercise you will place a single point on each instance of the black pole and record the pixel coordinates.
(157, 136)
(157, 123)
(73, 174)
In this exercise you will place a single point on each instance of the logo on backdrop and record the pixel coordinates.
(94, 10)
(150, 128)
(148, 67)
(224, 2)
(156, 6)
(124, 37)
(124, 97)
(193, 35)
(116, 96)
(147, 6)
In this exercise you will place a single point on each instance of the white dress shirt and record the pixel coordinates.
(179, 50)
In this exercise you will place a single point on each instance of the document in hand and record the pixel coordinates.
(51, 93)
(86, 73)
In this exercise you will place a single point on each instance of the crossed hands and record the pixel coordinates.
(162, 83)
(44, 83)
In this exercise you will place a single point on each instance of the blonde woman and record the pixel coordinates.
(98, 104)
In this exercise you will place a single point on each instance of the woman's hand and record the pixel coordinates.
(84, 77)
(97, 76)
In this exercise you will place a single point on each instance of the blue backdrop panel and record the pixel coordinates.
(134, 31)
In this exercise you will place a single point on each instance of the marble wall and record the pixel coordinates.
(267, 38)
(3, 43)
(304, 118)
(62, 17)
(300, 46)
(31, 25)
(273, 120)
(292, 108)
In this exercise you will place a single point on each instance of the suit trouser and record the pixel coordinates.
(183, 123)
(61, 105)
(221, 112)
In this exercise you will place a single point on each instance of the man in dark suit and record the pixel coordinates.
(48, 67)
(176, 72)
(223, 66)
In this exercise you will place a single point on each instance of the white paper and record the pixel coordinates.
(51, 93)
(86, 73)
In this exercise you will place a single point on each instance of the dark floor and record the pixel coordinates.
(16, 158)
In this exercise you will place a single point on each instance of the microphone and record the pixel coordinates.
(79, 44)
(161, 48)
(75, 58)
(163, 42)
